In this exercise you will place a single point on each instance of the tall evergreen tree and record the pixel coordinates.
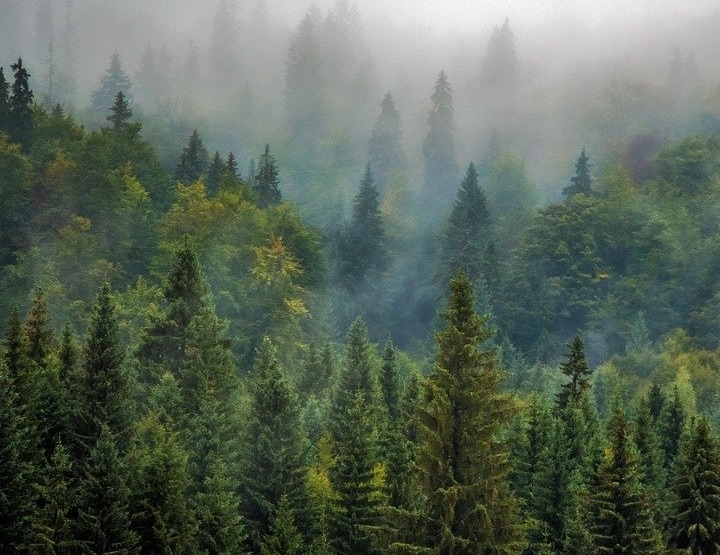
(620, 517)
(363, 248)
(283, 538)
(389, 382)
(581, 182)
(266, 181)
(193, 160)
(500, 65)
(120, 113)
(20, 127)
(274, 467)
(576, 369)
(385, 146)
(439, 145)
(215, 172)
(651, 458)
(671, 429)
(4, 103)
(695, 519)
(467, 238)
(463, 463)
(114, 81)
(231, 165)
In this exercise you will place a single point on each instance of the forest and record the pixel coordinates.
(285, 288)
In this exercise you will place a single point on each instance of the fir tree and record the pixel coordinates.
(385, 146)
(266, 181)
(650, 458)
(20, 126)
(467, 237)
(581, 182)
(656, 401)
(439, 146)
(695, 520)
(4, 103)
(231, 165)
(274, 466)
(620, 517)
(463, 464)
(389, 383)
(283, 537)
(120, 113)
(576, 369)
(672, 426)
(193, 160)
(214, 173)
(500, 64)
(114, 81)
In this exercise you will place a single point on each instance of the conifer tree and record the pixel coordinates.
(467, 237)
(581, 182)
(4, 103)
(274, 467)
(672, 426)
(193, 160)
(20, 127)
(620, 517)
(120, 113)
(439, 145)
(13, 352)
(114, 81)
(266, 181)
(385, 146)
(215, 172)
(576, 369)
(463, 464)
(231, 166)
(389, 383)
(283, 537)
(363, 249)
(103, 524)
(500, 65)
(695, 519)
(532, 443)
(650, 458)
(656, 401)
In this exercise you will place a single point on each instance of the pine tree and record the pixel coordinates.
(231, 166)
(103, 525)
(274, 467)
(120, 113)
(439, 145)
(500, 65)
(672, 425)
(266, 181)
(531, 446)
(656, 401)
(214, 173)
(385, 146)
(463, 464)
(467, 237)
(651, 458)
(114, 81)
(695, 519)
(4, 103)
(283, 537)
(620, 517)
(576, 369)
(20, 127)
(389, 383)
(193, 160)
(581, 182)
(363, 249)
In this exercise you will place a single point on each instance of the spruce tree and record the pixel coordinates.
(581, 182)
(620, 518)
(389, 383)
(120, 113)
(656, 401)
(214, 173)
(500, 65)
(385, 146)
(463, 463)
(114, 81)
(576, 369)
(283, 537)
(467, 237)
(231, 165)
(274, 467)
(266, 181)
(651, 459)
(4, 103)
(695, 518)
(672, 425)
(193, 160)
(20, 126)
(439, 145)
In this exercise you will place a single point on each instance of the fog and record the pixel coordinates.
(576, 60)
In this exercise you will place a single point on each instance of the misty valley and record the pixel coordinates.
(368, 279)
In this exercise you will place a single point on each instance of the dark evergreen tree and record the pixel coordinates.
(193, 160)
(103, 524)
(362, 248)
(531, 444)
(274, 467)
(500, 65)
(20, 126)
(656, 401)
(389, 383)
(283, 537)
(463, 463)
(576, 369)
(4, 103)
(231, 166)
(358, 524)
(385, 146)
(467, 238)
(651, 459)
(120, 113)
(695, 518)
(439, 145)
(266, 181)
(581, 182)
(214, 173)
(103, 392)
(114, 81)
(620, 517)
(671, 429)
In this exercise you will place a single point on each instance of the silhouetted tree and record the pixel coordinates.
(120, 113)
(500, 65)
(385, 146)
(581, 181)
(439, 145)
(266, 181)
(20, 125)
(193, 160)
(114, 81)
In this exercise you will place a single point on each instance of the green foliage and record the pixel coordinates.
(120, 112)
(20, 125)
(114, 81)
(440, 167)
(576, 369)
(499, 68)
(193, 161)
(580, 183)
(284, 537)
(385, 146)
(265, 185)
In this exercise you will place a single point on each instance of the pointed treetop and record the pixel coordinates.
(266, 180)
(581, 182)
(120, 113)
